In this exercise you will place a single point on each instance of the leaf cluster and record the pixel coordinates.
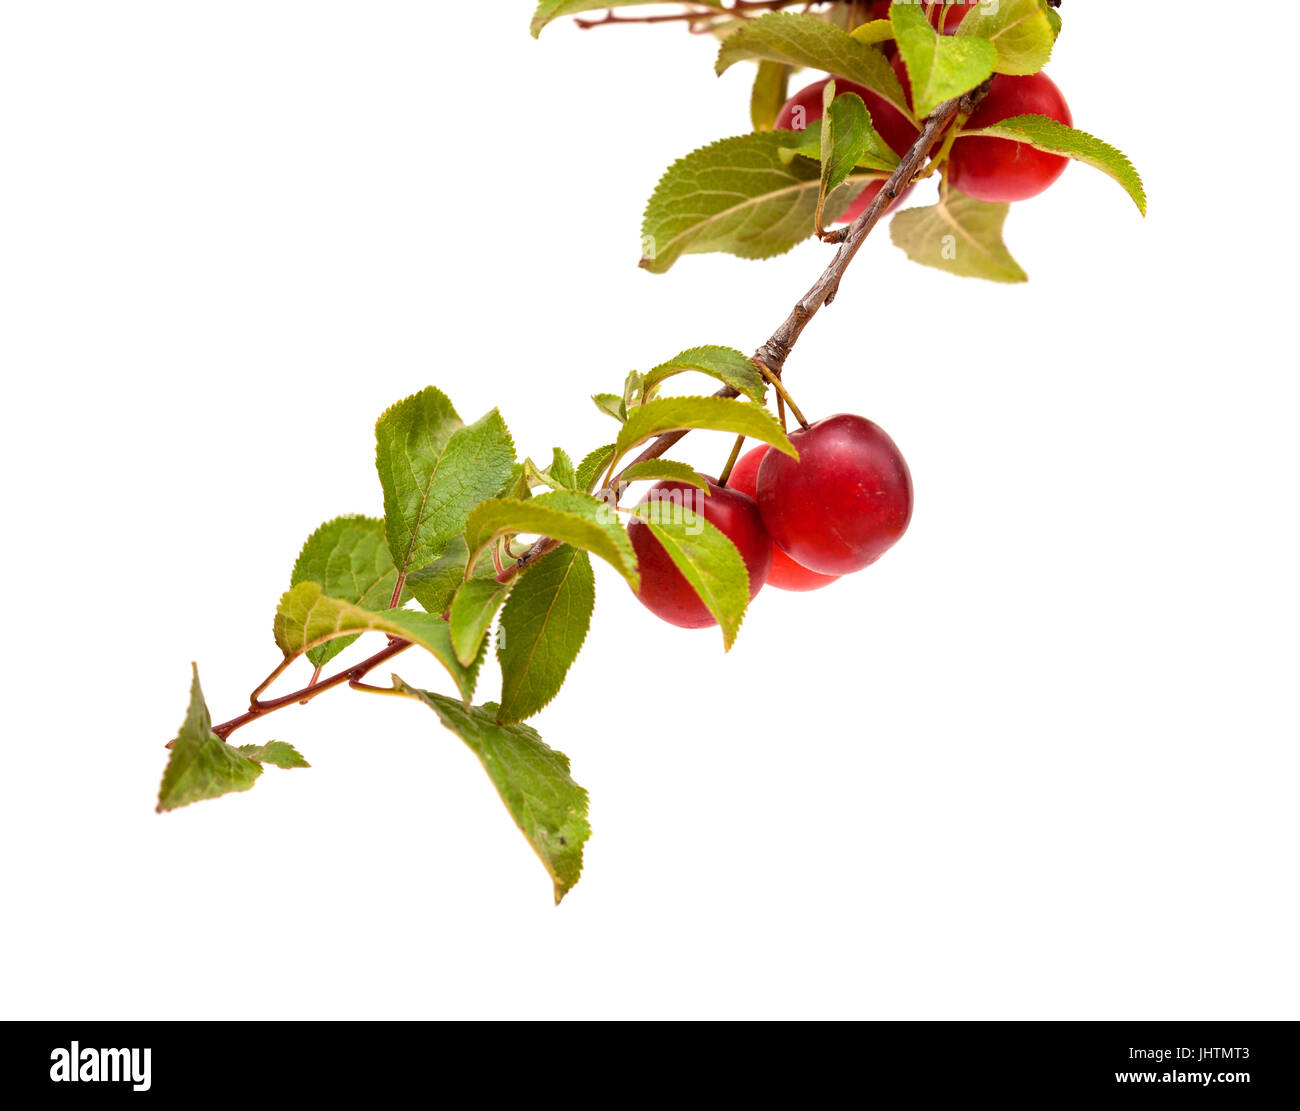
(760, 194)
(451, 559)
(477, 547)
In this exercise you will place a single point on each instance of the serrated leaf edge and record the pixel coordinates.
(577, 652)
(999, 129)
(405, 689)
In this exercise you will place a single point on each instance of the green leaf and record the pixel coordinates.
(349, 557)
(653, 470)
(533, 476)
(561, 470)
(1047, 134)
(542, 628)
(593, 467)
(874, 31)
(875, 154)
(417, 428)
(940, 66)
(435, 584)
(472, 610)
(611, 404)
(846, 138)
(516, 485)
(1019, 30)
(567, 516)
(807, 40)
(276, 753)
(743, 196)
(558, 476)
(722, 414)
(1054, 18)
(771, 88)
(306, 618)
(550, 10)
(634, 387)
(202, 765)
(725, 364)
(434, 470)
(532, 779)
(959, 235)
(519, 485)
(705, 556)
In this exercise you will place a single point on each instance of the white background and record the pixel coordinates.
(1038, 762)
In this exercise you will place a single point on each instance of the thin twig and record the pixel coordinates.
(353, 674)
(739, 9)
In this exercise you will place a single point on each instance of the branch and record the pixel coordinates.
(776, 350)
(739, 8)
(771, 355)
(354, 674)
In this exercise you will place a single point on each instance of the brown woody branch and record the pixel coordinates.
(772, 355)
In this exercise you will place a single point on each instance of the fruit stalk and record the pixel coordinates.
(730, 465)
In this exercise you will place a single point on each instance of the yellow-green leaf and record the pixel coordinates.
(725, 364)
(566, 515)
(959, 235)
(1046, 134)
(940, 66)
(307, 617)
(771, 87)
(722, 414)
(804, 39)
(1020, 30)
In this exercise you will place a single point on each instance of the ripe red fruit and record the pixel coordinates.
(844, 503)
(785, 573)
(894, 127)
(1001, 170)
(664, 589)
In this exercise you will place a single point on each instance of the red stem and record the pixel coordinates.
(353, 674)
